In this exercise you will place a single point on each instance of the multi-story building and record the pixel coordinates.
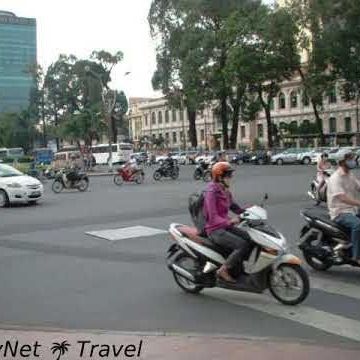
(340, 119)
(17, 55)
(155, 118)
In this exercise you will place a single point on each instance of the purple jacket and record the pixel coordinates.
(217, 203)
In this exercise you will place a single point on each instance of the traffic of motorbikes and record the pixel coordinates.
(193, 259)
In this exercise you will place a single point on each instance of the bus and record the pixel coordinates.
(43, 156)
(13, 153)
(121, 153)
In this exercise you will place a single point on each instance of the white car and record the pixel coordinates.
(180, 157)
(16, 187)
(206, 158)
(336, 153)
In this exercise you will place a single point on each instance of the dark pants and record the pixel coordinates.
(352, 223)
(235, 240)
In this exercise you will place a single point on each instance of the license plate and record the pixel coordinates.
(36, 193)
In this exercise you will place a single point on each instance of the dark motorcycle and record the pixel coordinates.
(323, 242)
(167, 172)
(70, 180)
(200, 170)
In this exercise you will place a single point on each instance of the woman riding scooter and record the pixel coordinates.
(323, 164)
(219, 226)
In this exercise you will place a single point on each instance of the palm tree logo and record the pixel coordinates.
(60, 348)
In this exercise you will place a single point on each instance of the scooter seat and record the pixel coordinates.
(193, 234)
(322, 220)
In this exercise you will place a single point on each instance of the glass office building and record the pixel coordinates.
(17, 55)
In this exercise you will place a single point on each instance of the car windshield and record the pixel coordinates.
(9, 171)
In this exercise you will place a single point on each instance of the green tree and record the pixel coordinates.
(274, 55)
(316, 73)
(193, 52)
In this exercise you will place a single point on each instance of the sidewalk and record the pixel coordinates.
(103, 345)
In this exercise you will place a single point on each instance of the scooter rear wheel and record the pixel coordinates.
(57, 186)
(289, 284)
(190, 264)
(83, 185)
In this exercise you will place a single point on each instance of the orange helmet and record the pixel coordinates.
(220, 170)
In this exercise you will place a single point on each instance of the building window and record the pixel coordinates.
(332, 96)
(167, 116)
(153, 118)
(243, 131)
(332, 125)
(272, 104)
(306, 100)
(293, 99)
(167, 137)
(202, 135)
(174, 115)
(146, 119)
(260, 131)
(160, 117)
(282, 101)
(174, 137)
(181, 115)
(348, 124)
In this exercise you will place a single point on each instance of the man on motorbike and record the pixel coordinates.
(343, 203)
(169, 161)
(72, 171)
(323, 164)
(219, 226)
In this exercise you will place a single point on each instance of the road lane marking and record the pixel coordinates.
(336, 287)
(320, 320)
(126, 233)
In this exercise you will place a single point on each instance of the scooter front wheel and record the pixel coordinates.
(289, 284)
(118, 180)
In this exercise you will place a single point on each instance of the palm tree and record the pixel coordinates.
(60, 348)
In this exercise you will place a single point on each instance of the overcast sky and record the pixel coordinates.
(80, 26)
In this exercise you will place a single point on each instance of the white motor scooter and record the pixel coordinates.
(194, 261)
(314, 193)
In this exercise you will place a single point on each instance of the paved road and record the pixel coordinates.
(53, 274)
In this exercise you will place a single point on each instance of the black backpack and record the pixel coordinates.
(196, 203)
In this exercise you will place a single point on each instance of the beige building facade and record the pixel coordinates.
(340, 120)
(154, 118)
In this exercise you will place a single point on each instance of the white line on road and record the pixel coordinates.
(321, 320)
(126, 233)
(336, 287)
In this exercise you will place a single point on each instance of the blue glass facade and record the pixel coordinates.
(17, 54)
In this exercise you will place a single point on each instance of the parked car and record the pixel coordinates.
(316, 154)
(244, 157)
(141, 157)
(260, 158)
(18, 187)
(336, 153)
(180, 157)
(233, 157)
(304, 156)
(204, 157)
(160, 158)
(289, 156)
